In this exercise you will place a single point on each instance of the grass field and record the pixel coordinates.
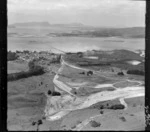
(110, 119)
(125, 84)
(85, 91)
(105, 61)
(13, 66)
(27, 100)
(71, 74)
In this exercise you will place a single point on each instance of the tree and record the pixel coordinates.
(120, 73)
(89, 73)
(80, 54)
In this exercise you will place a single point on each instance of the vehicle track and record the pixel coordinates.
(127, 92)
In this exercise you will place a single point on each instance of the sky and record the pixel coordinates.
(102, 13)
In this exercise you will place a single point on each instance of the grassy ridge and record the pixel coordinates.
(115, 58)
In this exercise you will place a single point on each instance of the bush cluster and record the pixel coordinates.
(120, 73)
(20, 75)
(95, 124)
(34, 70)
(136, 72)
(117, 106)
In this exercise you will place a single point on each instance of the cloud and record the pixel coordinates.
(69, 4)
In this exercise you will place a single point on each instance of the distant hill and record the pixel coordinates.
(81, 30)
(133, 32)
(136, 32)
(69, 25)
(31, 24)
